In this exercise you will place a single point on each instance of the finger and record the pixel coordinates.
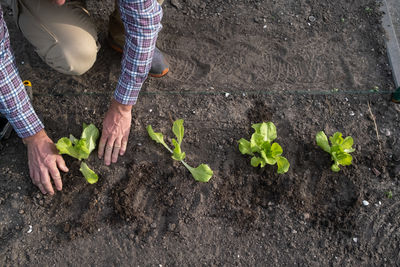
(31, 173)
(102, 144)
(45, 180)
(35, 181)
(41, 188)
(108, 151)
(116, 149)
(38, 182)
(61, 164)
(55, 174)
(124, 144)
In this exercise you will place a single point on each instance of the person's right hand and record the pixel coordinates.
(44, 161)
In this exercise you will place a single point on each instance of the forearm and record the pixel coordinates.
(142, 21)
(14, 101)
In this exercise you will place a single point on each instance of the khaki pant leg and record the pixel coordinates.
(63, 36)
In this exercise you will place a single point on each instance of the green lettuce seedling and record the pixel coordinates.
(340, 149)
(81, 149)
(202, 173)
(90, 176)
(262, 149)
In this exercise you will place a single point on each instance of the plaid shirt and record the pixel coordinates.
(14, 101)
(142, 21)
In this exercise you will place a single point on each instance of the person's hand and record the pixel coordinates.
(59, 2)
(44, 162)
(116, 127)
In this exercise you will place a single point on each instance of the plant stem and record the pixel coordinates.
(167, 147)
(186, 165)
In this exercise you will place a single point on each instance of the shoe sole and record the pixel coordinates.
(6, 131)
(119, 50)
(159, 75)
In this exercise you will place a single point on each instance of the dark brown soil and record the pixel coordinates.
(233, 63)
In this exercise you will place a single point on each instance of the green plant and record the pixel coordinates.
(339, 150)
(389, 194)
(202, 173)
(261, 143)
(81, 149)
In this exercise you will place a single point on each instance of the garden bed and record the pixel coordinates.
(307, 66)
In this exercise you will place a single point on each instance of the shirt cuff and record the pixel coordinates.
(24, 119)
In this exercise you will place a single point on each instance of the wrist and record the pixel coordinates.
(31, 139)
(121, 108)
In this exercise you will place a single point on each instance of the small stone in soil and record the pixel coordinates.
(67, 227)
(365, 203)
(176, 4)
(376, 172)
(355, 239)
(171, 227)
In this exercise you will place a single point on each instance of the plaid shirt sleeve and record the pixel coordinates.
(142, 21)
(14, 101)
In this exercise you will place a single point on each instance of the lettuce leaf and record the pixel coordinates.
(90, 176)
(91, 134)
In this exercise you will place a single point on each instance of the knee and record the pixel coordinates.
(64, 37)
(74, 54)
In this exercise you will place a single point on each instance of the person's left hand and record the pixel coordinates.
(116, 127)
